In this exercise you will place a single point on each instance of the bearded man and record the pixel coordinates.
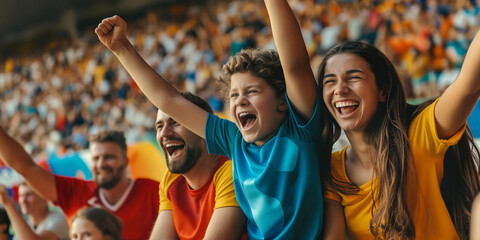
(197, 196)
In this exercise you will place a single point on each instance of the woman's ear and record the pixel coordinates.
(383, 96)
(107, 237)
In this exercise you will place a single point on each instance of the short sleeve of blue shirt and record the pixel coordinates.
(221, 133)
(277, 184)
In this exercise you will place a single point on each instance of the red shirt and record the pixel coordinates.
(137, 208)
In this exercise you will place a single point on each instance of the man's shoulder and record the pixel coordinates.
(53, 218)
(145, 181)
(223, 171)
(64, 180)
(169, 179)
(224, 163)
(55, 214)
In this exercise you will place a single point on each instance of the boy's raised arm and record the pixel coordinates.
(458, 101)
(112, 33)
(300, 82)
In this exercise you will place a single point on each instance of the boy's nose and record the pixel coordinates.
(241, 101)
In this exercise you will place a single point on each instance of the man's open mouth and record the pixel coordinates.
(174, 149)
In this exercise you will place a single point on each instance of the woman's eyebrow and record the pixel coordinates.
(354, 71)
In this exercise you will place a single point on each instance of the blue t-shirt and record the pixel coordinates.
(278, 184)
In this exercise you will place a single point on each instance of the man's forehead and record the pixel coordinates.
(98, 147)
(24, 189)
(162, 116)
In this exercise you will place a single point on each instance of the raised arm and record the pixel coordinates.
(458, 100)
(226, 223)
(475, 221)
(164, 227)
(301, 85)
(39, 179)
(112, 33)
(20, 226)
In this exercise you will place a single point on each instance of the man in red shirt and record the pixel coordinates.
(135, 202)
(197, 194)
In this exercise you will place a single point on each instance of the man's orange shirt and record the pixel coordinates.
(193, 209)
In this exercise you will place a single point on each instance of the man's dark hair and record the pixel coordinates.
(197, 101)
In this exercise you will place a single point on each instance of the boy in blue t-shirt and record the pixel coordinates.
(275, 162)
(277, 125)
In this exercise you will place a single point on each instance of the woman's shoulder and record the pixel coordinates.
(338, 163)
(339, 156)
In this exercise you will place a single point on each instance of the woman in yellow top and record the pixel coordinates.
(409, 172)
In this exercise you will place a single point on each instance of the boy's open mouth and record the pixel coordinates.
(174, 149)
(247, 119)
(346, 107)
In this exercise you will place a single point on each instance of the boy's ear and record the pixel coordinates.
(283, 105)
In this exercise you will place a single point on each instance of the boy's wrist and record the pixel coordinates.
(123, 48)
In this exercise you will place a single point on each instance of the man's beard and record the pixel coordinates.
(191, 158)
(109, 184)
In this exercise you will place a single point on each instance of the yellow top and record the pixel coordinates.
(424, 200)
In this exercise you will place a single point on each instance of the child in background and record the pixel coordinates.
(94, 223)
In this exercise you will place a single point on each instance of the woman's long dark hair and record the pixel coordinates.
(387, 133)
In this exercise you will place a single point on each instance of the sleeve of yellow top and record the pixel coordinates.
(167, 180)
(331, 194)
(423, 133)
(225, 192)
(336, 168)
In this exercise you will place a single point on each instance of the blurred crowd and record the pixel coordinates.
(51, 102)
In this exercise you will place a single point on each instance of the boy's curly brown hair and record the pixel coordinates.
(263, 63)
